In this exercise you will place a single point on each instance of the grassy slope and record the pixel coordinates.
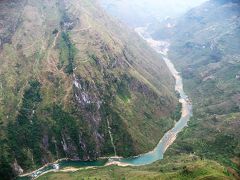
(179, 167)
(206, 50)
(39, 111)
(107, 36)
(208, 135)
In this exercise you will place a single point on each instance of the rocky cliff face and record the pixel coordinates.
(68, 72)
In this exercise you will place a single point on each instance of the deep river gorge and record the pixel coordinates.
(143, 159)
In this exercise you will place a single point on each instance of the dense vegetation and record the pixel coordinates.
(25, 131)
(67, 72)
(208, 57)
(205, 49)
(67, 52)
(178, 167)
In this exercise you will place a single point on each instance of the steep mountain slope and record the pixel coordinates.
(70, 78)
(205, 46)
(196, 39)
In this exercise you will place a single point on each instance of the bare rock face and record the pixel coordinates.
(16, 168)
(238, 76)
(68, 147)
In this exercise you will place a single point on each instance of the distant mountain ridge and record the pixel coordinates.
(205, 49)
(136, 13)
(205, 45)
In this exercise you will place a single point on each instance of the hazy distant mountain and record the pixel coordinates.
(142, 12)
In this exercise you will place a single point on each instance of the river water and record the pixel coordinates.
(169, 137)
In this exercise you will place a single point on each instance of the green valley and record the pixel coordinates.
(205, 49)
(84, 96)
(70, 76)
(180, 167)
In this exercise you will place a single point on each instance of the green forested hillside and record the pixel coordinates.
(72, 76)
(205, 46)
(67, 72)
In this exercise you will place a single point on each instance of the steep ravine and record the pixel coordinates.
(143, 159)
(69, 72)
(205, 45)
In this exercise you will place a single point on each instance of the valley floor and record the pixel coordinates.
(178, 167)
